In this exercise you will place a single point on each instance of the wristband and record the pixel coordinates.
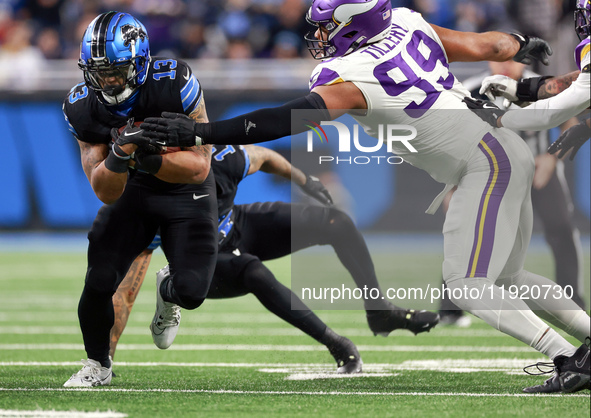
(520, 38)
(527, 88)
(115, 163)
(201, 131)
(119, 153)
(150, 163)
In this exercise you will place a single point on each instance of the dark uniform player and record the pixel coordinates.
(174, 192)
(250, 234)
(262, 231)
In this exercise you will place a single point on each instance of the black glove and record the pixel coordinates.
(315, 189)
(573, 137)
(174, 130)
(487, 111)
(132, 134)
(531, 49)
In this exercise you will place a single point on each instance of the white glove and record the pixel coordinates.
(499, 85)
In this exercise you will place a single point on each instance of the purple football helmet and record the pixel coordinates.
(346, 25)
(583, 18)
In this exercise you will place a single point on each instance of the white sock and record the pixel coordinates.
(510, 316)
(552, 344)
(560, 312)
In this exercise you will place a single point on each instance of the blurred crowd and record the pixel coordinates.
(35, 30)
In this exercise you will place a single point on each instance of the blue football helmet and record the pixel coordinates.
(114, 56)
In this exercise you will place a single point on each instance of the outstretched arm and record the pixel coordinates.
(555, 85)
(269, 161)
(553, 111)
(492, 46)
(527, 89)
(259, 126)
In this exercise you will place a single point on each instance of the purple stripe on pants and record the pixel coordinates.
(484, 231)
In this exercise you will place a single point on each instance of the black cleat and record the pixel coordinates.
(571, 374)
(346, 355)
(384, 322)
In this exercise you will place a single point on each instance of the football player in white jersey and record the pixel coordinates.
(551, 196)
(569, 99)
(393, 66)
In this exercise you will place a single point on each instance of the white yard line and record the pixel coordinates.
(298, 371)
(234, 331)
(16, 413)
(315, 393)
(275, 347)
(497, 364)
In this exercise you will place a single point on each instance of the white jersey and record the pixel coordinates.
(405, 79)
(537, 141)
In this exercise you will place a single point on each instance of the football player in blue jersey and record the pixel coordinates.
(143, 189)
(391, 66)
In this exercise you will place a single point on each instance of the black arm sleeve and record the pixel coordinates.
(265, 124)
(527, 88)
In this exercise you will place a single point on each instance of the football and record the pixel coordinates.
(163, 150)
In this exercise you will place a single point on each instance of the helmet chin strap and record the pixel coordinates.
(113, 91)
(117, 94)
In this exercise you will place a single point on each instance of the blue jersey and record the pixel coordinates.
(170, 86)
(230, 164)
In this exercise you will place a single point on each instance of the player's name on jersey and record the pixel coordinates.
(388, 44)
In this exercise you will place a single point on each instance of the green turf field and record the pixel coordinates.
(233, 358)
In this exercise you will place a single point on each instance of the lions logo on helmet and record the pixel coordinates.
(346, 25)
(114, 57)
(131, 33)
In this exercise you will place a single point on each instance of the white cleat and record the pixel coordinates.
(167, 318)
(92, 374)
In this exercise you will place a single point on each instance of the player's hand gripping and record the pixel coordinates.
(531, 49)
(499, 85)
(314, 188)
(487, 111)
(132, 134)
(573, 138)
(174, 130)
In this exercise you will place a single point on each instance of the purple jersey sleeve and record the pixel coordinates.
(325, 77)
(580, 51)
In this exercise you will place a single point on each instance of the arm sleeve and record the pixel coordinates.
(551, 112)
(266, 124)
